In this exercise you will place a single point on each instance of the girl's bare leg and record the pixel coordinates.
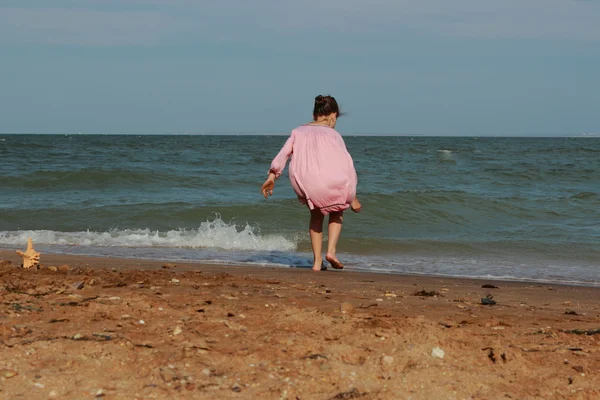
(316, 238)
(335, 229)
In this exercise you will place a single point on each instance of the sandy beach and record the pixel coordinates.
(135, 329)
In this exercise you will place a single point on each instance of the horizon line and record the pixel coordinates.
(581, 135)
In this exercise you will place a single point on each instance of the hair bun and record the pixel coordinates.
(324, 106)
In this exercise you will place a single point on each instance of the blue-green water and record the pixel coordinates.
(522, 208)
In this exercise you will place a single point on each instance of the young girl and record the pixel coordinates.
(322, 175)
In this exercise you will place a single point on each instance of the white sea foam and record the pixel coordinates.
(210, 234)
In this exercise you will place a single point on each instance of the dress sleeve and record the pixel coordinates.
(279, 162)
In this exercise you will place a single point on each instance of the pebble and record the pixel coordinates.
(206, 372)
(77, 285)
(177, 331)
(142, 322)
(346, 308)
(175, 281)
(7, 373)
(387, 360)
(63, 268)
(77, 336)
(436, 352)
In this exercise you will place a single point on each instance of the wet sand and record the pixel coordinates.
(131, 329)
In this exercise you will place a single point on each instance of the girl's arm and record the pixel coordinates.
(277, 166)
(280, 160)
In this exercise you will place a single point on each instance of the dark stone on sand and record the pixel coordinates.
(425, 293)
(351, 394)
(578, 368)
(570, 312)
(488, 286)
(77, 285)
(487, 302)
(588, 332)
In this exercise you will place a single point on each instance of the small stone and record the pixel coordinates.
(390, 295)
(206, 372)
(177, 331)
(168, 374)
(236, 388)
(387, 360)
(175, 281)
(436, 352)
(235, 326)
(141, 322)
(78, 336)
(346, 308)
(63, 268)
(92, 282)
(77, 285)
(578, 368)
(378, 299)
(7, 373)
(169, 265)
(53, 269)
(39, 385)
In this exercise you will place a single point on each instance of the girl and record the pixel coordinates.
(322, 175)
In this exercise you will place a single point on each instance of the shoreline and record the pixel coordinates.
(123, 328)
(96, 260)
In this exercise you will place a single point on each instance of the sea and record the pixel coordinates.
(524, 209)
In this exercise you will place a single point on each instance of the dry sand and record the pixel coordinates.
(129, 329)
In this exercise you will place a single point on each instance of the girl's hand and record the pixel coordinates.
(355, 205)
(267, 187)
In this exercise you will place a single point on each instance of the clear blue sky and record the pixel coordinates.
(474, 67)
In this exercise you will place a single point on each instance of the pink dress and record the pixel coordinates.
(321, 171)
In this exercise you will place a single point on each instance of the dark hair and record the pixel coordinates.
(324, 106)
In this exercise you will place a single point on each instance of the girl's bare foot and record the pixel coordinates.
(355, 205)
(319, 266)
(335, 263)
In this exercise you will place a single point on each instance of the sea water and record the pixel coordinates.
(509, 208)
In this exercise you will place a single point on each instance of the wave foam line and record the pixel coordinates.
(210, 234)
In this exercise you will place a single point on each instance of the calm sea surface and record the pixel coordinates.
(516, 208)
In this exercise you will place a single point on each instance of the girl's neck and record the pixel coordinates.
(321, 122)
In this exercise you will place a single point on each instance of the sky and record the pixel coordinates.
(422, 67)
